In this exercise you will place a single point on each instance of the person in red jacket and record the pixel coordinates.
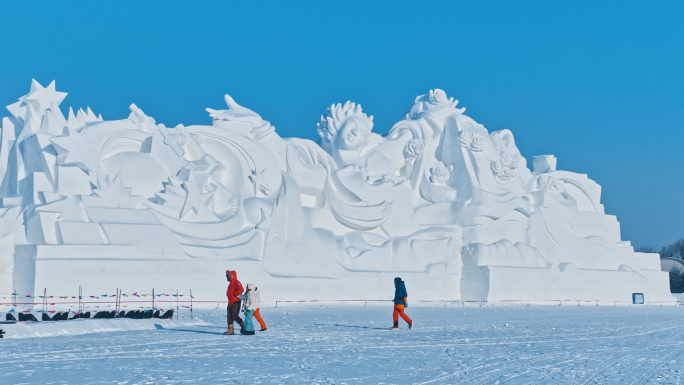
(234, 290)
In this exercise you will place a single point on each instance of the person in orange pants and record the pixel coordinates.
(400, 297)
(261, 321)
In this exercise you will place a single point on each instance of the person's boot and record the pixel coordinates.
(395, 326)
(242, 327)
(263, 330)
(410, 324)
(230, 331)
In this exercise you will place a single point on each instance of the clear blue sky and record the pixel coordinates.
(598, 84)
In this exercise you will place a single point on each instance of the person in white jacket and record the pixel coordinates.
(251, 302)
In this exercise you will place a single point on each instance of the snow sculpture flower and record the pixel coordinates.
(435, 102)
(505, 168)
(438, 96)
(505, 173)
(414, 148)
(440, 174)
(507, 160)
(465, 138)
(475, 142)
(478, 143)
(496, 170)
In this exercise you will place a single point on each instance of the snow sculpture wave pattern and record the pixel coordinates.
(438, 198)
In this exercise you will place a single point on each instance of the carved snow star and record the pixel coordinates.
(39, 96)
(113, 194)
(260, 183)
(74, 148)
(193, 196)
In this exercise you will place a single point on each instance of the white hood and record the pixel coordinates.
(251, 297)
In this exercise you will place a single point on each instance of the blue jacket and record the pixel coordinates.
(399, 292)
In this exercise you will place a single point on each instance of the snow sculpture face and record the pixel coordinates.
(344, 127)
(353, 134)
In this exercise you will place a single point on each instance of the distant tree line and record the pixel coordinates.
(673, 250)
(676, 283)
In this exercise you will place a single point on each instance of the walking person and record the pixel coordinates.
(252, 303)
(251, 306)
(234, 290)
(400, 297)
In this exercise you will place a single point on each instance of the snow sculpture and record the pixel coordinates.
(438, 200)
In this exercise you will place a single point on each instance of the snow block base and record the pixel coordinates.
(567, 283)
(104, 268)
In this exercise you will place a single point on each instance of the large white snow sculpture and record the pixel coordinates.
(438, 200)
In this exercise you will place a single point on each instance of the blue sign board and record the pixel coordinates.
(638, 298)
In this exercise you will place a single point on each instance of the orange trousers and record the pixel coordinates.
(258, 317)
(399, 311)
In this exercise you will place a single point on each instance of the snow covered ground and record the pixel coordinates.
(352, 345)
